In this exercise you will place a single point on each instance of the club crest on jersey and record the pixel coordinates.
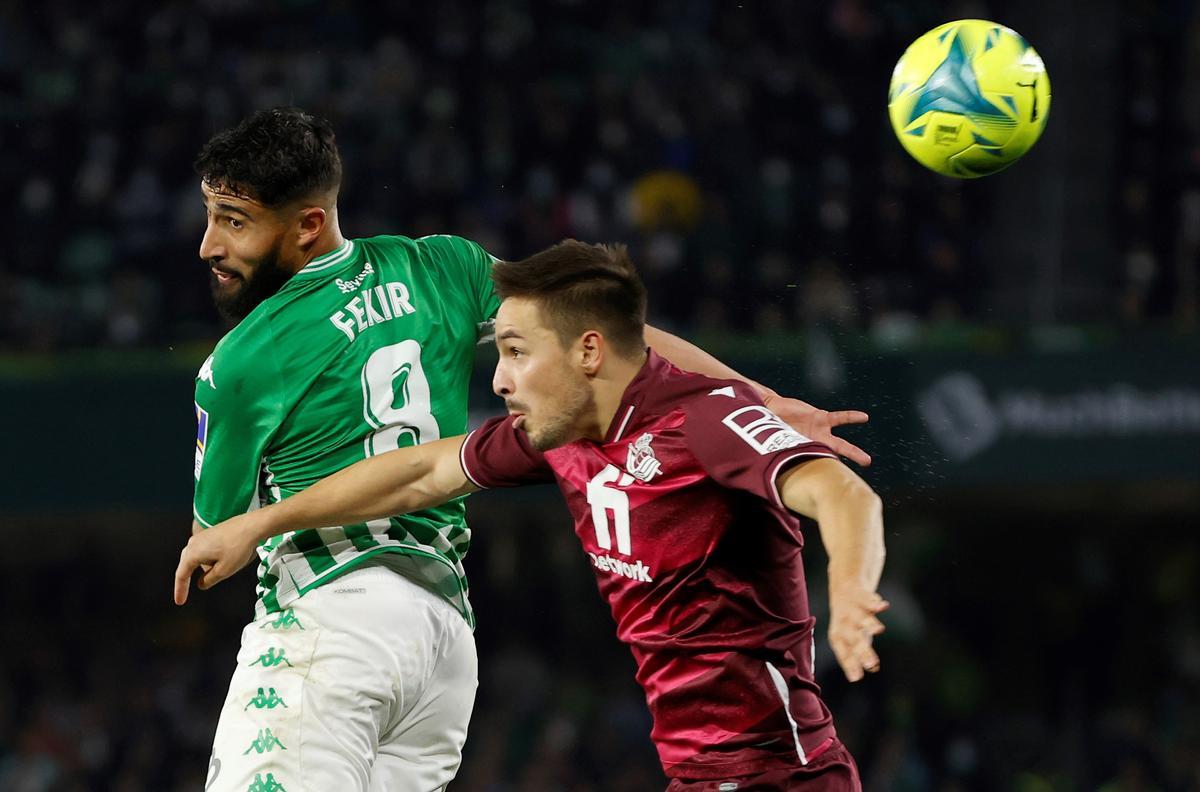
(641, 462)
(201, 437)
(762, 429)
(206, 373)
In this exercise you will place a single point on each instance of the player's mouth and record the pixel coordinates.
(222, 276)
(518, 420)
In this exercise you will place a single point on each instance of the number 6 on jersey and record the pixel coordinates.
(604, 499)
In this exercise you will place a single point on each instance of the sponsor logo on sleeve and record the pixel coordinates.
(762, 430)
(201, 437)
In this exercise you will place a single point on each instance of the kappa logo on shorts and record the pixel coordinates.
(286, 620)
(269, 784)
(762, 429)
(264, 742)
(272, 658)
(262, 700)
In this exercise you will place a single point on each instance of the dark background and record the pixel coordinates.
(1026, 344)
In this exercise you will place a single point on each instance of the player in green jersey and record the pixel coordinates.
(344, 349)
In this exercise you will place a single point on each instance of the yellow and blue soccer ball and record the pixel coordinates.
(968, 98)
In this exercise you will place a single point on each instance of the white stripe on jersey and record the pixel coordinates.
(782, 689)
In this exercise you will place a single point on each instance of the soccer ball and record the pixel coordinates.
(969, 98)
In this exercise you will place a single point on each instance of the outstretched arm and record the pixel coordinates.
(810, 421)
(397, 482)
(850, 516)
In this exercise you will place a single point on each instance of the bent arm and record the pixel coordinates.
(849, 514)
(690, 357)
(398, 482)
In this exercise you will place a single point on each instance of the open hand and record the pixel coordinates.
(817, 424)
(853, 625)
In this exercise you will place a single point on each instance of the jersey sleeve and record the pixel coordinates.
(236, 416)
(498, 454)
(474, 264)
(743, 445)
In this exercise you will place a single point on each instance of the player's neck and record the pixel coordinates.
(609, 388)
(330, 240)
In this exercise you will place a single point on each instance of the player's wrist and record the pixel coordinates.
(848, 578)
(265, 523)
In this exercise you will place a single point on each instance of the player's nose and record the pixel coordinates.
(210, 248)
(501, 383)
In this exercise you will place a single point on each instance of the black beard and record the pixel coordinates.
(265, 279)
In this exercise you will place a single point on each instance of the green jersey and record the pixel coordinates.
(367, 349)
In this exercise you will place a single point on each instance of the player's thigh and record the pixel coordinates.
(422, 750)
(259, 732)
(305, 708)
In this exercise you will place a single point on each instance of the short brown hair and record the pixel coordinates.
(581, 287)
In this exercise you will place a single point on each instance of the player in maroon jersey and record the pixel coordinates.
(684, 491)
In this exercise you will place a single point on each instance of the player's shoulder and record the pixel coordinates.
(388, 244)
(246, 338)
(694, 392)
(246, 354)
(710, 402)
(235, 373)
(431, 249)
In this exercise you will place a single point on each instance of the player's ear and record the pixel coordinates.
(311, 224)
(591, 352)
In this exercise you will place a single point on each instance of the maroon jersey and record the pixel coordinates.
(699, 560)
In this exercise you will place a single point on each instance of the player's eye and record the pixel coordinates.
(235, 224)
(514, 352)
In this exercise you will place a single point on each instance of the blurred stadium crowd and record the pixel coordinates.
(1003, 669)
(741, 149)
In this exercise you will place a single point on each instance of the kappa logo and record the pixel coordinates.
(641, 462)
(347, 286)
(206, 373)
(762, 429)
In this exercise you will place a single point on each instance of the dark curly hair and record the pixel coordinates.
(273, 156)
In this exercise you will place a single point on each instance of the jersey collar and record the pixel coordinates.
(626, 417)
(330, 260)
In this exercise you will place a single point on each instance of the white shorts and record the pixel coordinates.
(366, 684)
